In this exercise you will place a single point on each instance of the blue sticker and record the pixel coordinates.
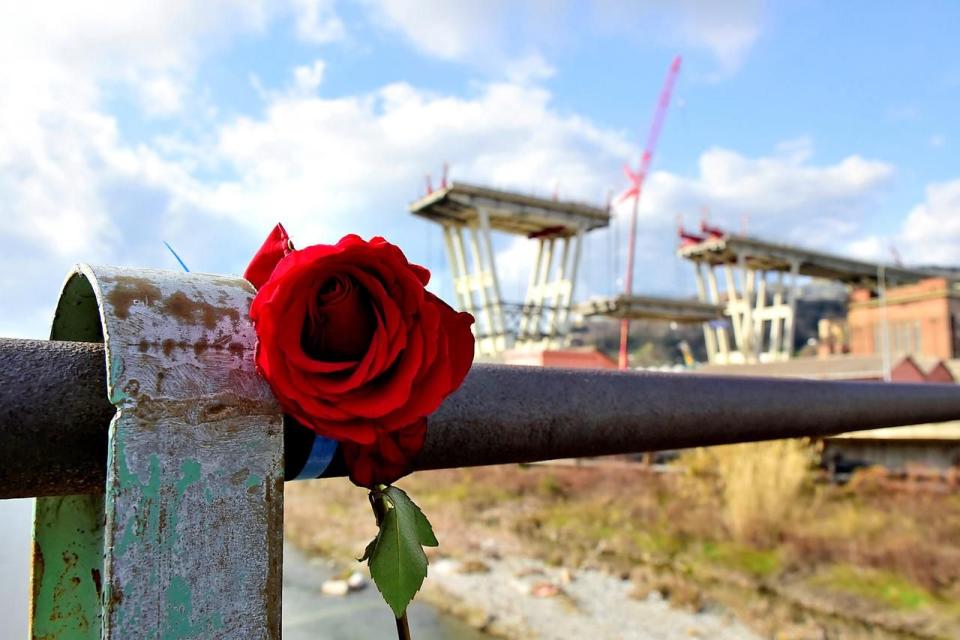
(321, 454)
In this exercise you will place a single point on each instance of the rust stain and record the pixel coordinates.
(239, 476)
(144, 346)
(200, 346)
(221, 407)
(38, 567)
(236, 349)
(215, 410)
(130, 290)
(132, 388)
(274, 583)
(160, 378)
(97, 581)
(189, 311)
(167, 346)
(116, 597)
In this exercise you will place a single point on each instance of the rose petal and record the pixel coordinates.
(274, 248)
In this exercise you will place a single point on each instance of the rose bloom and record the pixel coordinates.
(355, 348)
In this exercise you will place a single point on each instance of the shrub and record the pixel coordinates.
(758, 484)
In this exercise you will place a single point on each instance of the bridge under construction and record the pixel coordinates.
(468, 215)
(747, 292)
(761, 308)
(747, 288)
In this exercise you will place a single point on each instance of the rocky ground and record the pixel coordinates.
(523, 598)
(555, 552)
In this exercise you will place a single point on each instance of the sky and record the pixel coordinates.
(202, 123)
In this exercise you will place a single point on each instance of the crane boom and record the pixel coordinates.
(636, 184)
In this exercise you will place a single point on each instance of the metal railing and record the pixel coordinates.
(501, 414)
(158, 455)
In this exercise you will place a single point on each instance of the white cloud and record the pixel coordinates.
(318, 22)
(308, 77)
(928, 236)
(161, 96)
(449, 30)
(502, 38)
(931, 232)
(530, 68)
(333, 165)
(784, 195)
(111, 37)
(70, 187)
(726, 29)
(496, 33)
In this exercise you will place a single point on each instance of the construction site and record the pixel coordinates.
(848, 536)
(759, 308)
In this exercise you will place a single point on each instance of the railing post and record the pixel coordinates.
(186, 541)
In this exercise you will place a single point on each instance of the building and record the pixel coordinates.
(571, 357)
(862, 368)
(918, 319)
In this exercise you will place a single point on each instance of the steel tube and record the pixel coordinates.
(54, 414)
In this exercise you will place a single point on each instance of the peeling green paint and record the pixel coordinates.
(68, 531)
(145, 519)
(68, 558)
(177, 623)
(191, 474)
(253, 480)
(116, 371)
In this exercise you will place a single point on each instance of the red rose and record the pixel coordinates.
(355, 348)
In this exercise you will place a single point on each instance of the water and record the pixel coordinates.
(308, 615)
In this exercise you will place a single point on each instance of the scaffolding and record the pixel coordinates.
(468, 214)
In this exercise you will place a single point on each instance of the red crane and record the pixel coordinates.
(636, 184)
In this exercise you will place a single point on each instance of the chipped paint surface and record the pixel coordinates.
(192, 540)
(67, 569)
(68, 543)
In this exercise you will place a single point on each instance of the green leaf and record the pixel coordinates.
(397, 562)
(401, 500)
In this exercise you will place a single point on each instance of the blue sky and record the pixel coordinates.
(202, 123)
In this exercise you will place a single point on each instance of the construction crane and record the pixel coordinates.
(633, 192)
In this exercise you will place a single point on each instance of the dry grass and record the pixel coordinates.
(758, 483)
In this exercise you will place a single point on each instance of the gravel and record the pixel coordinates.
(588, 604)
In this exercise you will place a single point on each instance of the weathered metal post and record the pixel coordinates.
(186, 540)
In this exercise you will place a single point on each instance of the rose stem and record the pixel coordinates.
(403, 629)
(379, 508)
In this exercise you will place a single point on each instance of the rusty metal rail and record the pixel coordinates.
(54, 414)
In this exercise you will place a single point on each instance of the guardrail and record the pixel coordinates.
(160, 456)
(501, 414)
